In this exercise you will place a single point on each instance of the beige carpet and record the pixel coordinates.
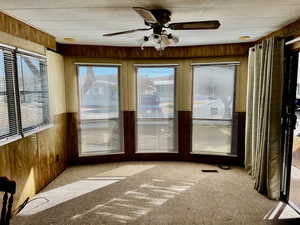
(148, 193)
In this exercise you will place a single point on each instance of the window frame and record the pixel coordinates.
(15, 94)
(232, 152)
(39, 126)
(120, 119)
(175, 116)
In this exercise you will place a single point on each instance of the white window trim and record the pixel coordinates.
(23, 51)
(10, 139)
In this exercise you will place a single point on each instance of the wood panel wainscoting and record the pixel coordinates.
(129, 118)
(184, 134)
(36, 160)
(72, 138)
(184, 142)
(238, 136)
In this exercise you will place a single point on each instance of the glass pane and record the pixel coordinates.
(33, 87)
(155, 109)
(156, 135)
(213, 96)
(211, 136)
(213, 92)
(100, 129)
(100, 136)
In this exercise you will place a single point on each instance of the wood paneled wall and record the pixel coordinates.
(73, 137)
(34, 161)
(129, 124)
(90, 51)
(184, 133)
(22, 30)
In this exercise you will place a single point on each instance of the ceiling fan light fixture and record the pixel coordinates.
(142, 42)
(174, 39)
(159, 41)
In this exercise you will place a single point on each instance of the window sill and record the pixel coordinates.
(82, 155)
(37, 130)
(9, 140)
(214, 154)
(154, 152)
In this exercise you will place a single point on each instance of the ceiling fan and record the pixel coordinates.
(158, 21)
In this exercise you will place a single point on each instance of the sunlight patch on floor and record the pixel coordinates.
(138, 202)
(54, 197)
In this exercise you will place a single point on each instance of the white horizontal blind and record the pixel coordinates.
(8, 108)
(213, 105)
(33, 91)
(99, 113)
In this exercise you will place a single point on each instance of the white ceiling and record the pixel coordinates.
(86, 20)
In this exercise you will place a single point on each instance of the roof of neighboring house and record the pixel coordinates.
(163, 82)
(101, 82)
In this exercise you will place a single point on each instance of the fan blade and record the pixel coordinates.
(126, 32)
(146, 14)
(201, 25)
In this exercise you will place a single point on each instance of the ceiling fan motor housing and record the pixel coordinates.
(163, 16)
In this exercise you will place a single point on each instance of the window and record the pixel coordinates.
(213, 101)
(33, 91)
(24, 98)
(156, 109)
(99, 112)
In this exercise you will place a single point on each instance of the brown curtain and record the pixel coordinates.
(263, 153)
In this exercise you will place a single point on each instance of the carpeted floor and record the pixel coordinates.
(148, 193)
